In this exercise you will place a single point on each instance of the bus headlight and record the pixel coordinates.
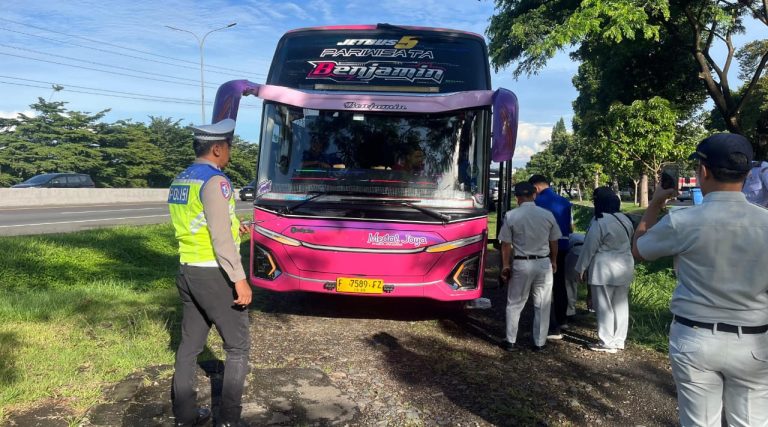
(264, 265)
(466, 273)
(448, 246)
(277, 236)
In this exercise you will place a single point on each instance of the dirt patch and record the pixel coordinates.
(337, 360)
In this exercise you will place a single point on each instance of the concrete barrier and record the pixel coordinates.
(34, 197)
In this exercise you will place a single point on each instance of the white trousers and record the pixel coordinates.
(530, 277)
(712, 368)
(611, 304)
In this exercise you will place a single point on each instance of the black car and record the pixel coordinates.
(58, 180)
(249, 191)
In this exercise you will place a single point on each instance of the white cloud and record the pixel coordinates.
(531, 138)
(15, 114)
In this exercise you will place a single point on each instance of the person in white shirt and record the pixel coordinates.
(718, 345)
(529, 237)
(606, 262)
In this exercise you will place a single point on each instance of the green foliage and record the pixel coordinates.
(530, 32)
(642, 133)
(121, 154)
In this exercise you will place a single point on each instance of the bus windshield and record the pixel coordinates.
(431, 160)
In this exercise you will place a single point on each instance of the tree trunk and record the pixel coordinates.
(637, 183)
(597, 179)
(644, 190)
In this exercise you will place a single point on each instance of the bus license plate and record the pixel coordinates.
(359, 285)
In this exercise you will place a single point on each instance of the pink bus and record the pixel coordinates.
(373, 172)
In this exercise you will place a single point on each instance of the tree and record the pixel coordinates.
(530, 32)
(643, 134)
(53, 140)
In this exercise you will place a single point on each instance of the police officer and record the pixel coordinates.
(211, 280)
(718, 346)
(561, 209)
(529, 238)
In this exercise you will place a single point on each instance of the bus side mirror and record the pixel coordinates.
(505, 111)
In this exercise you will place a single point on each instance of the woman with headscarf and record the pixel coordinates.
(606, 257)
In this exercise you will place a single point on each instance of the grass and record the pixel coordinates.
(82, 310)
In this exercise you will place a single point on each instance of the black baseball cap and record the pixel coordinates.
(523, 189)
(725, 151)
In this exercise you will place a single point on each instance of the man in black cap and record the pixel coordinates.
(718, 345)
(528, 237)
(211, 281)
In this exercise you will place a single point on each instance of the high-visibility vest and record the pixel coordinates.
(188, 217)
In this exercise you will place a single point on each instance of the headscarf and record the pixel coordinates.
(606, 201)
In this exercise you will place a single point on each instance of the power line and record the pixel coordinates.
(125, 54)
(99, 64)
(102, 71)
(67, 86)
(169, 101)
(118, 46)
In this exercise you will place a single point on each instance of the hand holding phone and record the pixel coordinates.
(667, 181)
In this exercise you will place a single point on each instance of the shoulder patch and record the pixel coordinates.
(226, 190)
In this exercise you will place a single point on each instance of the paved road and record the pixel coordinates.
(64, 219)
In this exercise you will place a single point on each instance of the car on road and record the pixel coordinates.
(248, 192)
(685, 194)
(58, 180)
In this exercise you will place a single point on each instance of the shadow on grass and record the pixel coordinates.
(9, 342)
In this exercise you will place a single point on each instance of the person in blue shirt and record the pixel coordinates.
(561, 209)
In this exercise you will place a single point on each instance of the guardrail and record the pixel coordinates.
(33, 197)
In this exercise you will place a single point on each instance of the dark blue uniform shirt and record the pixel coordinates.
(561, 209)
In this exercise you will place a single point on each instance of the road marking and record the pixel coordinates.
(88, 220)
(108, 210)
(83, 220)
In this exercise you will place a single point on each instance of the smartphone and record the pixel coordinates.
(669, 178)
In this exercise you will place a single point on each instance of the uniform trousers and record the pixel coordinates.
(611, 304)
(207, 297)
(559, 310)
(530, 278)
(712, 368)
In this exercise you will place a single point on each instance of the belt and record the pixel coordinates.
(531, 256)
(722, 327)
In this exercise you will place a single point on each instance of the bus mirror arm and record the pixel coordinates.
(228, 98)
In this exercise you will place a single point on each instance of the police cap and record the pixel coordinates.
(221, 130)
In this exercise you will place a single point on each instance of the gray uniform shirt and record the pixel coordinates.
(529, 229)
(607, 252)
(719, 249)
(217, 216)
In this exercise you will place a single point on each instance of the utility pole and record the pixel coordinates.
(201, 42)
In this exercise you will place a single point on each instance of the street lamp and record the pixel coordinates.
(200, 42)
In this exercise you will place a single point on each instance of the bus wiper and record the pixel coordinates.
(289, 209)
(431, 212)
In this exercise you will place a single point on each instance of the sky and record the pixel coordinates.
(121, 55)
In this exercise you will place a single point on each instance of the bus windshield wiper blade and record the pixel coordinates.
(431, 212)
(289, 209)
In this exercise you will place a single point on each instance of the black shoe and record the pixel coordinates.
(509, 346)
(538, 348)
(203, 415)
